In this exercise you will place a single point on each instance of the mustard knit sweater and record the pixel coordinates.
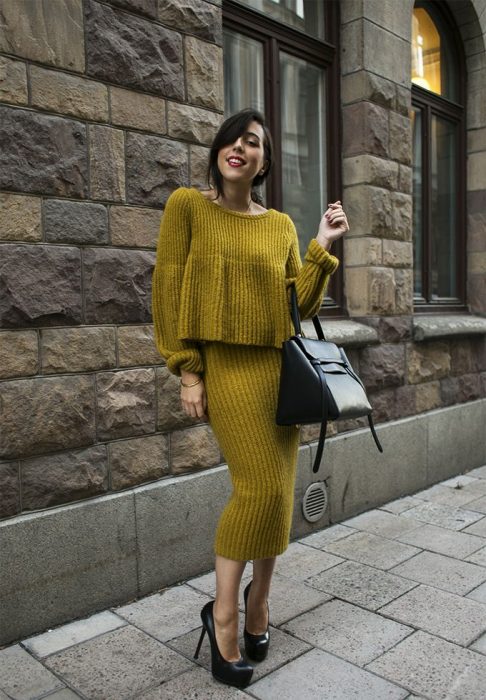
(224, 275)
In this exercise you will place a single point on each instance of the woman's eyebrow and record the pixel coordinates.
(252, 133)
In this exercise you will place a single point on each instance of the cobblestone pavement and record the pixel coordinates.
(388, 604)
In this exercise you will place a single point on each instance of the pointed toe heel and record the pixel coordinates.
(235, 673)
(256, 645)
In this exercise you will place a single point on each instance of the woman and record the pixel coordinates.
(221, 312)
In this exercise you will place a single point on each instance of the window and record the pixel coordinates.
(439, 163)
(280, 56)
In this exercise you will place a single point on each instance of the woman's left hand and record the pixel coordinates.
(333, 224)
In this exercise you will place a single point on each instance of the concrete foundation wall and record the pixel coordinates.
(69, 561)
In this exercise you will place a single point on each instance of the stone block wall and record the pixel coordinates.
(404, 377)
(473, 32)
(105, 108)
(377, 153)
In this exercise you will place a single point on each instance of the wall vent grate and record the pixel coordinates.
(314, 502)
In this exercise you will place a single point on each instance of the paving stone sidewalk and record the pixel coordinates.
(388, 604)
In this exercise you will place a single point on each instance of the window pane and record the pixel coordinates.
(417, 201)
(304, 180)
(306, 15)
(433, 62)
(243, 73)
(443, 208)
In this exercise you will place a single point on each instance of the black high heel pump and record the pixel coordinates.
(256, 645)
(236, 673)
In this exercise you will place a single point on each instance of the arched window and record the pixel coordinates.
(439, 159)
(281, 57)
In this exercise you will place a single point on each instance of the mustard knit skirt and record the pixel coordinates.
(241, 384)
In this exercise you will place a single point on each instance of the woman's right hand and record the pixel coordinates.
(193, 398)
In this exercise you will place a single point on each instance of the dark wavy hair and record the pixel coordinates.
(228, 132)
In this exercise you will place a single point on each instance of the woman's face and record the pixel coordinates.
(242, 160)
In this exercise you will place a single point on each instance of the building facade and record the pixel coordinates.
(107, 490)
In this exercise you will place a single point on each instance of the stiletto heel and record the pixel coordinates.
(256, 645)
(236, 673)
(200, 642)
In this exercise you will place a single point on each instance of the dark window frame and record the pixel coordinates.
(324, 53)
(430, 104)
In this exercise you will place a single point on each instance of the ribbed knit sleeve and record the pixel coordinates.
(312, 277)
(167, 278)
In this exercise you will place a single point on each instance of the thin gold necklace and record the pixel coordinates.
(236, 210)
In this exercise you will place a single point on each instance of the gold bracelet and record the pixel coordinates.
(193, 384)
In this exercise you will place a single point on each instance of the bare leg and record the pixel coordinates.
(257, 611)
(226, 613)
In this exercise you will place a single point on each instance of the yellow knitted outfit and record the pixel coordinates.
(220, 308)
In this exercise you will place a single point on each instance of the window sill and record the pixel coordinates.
(346, 333)
(447, 326)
